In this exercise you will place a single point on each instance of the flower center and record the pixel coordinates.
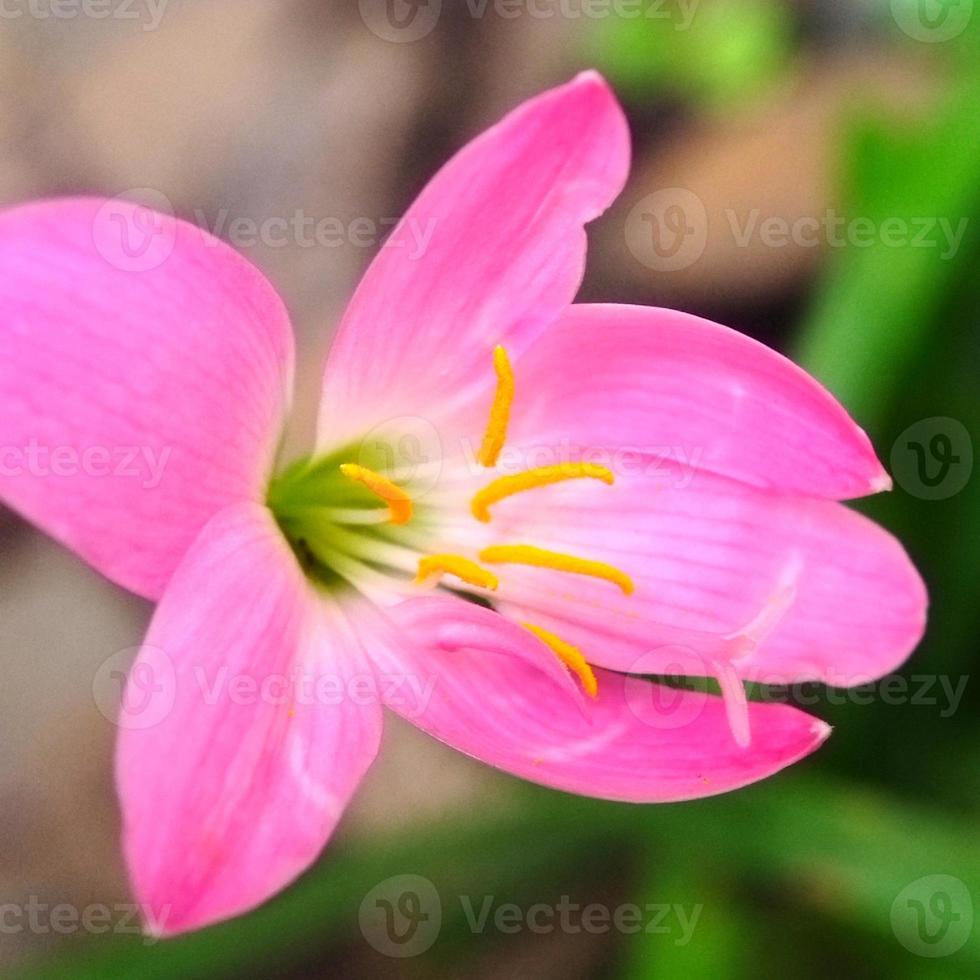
(341, 518)
(346, 520)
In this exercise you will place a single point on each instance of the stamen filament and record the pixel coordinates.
(496, 434)
(468, 571)
(340, 515)
(398, 501)
(570, 656)
(543, 476)
(361, 576)
(525, 554)
(388, 554)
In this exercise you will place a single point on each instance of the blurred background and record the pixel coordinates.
(806, 172)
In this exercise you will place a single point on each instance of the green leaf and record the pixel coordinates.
(877, 308)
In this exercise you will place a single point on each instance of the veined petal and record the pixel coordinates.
(247, 743)
(145, 370)
(661, 381)
(493, 697)
(792, 588)
(490, 253)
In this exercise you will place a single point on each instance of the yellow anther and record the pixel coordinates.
(570, 656)
(496, 434)
(399, 503)
(506, 486)
(464, 569)
(525, 554)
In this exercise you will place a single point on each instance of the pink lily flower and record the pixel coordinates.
(538, 490)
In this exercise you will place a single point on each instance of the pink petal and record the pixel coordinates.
(792, 588)
(665, 381)
(492, 695)
(143, 390)
(242, 739)
(504, 253)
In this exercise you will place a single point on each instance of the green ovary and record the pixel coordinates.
(339, 529)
